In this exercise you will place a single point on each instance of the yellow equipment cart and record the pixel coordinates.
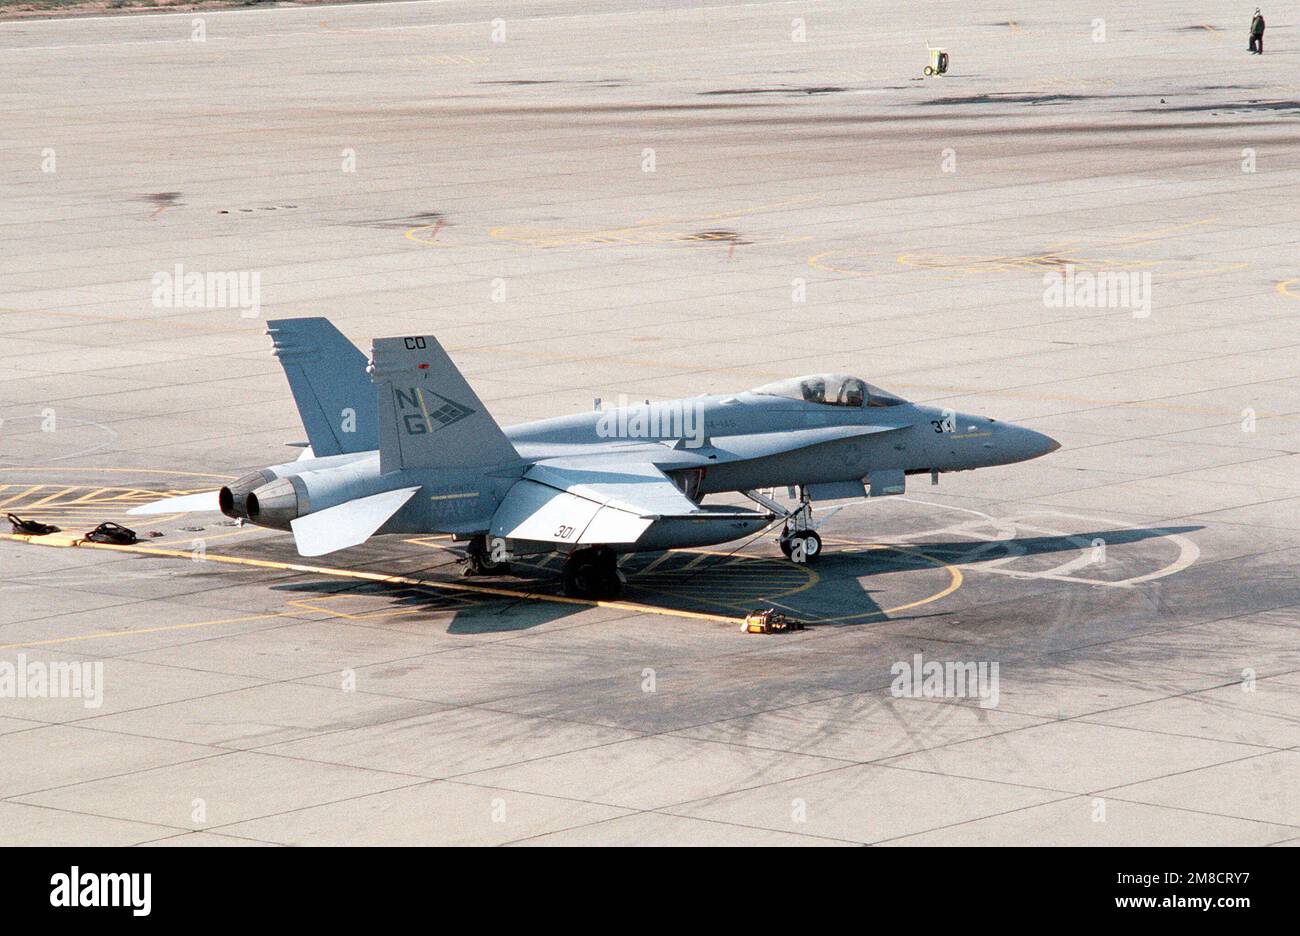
(938, 62)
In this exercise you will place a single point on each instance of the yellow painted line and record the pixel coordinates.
(655, 563)
(216, 536)
(166, 471)
(666, 579)
(142, 630)
(45, 500)
(89, 497)
(376, 577)
(302, 604)
(1284, 288)
(955, 582)
(413, 235)
(954, 575)
(647, 231)
(955, 578)
(694, 562)
(20, 496)
(376, 614)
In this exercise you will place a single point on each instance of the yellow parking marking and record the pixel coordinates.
(93, 495)
(650, 231)
(694, 562)
(656, 562)
(373, 577)
(415, 234)
(375, 614)
(49, 497)
(166, 471)
(200, 536)
(141, 630)
(955, 579)
(1284, 288)
(955, 582)
(17, 497)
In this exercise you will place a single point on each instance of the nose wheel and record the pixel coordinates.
(593, 574)
(800, 545)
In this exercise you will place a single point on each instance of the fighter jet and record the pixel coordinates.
(404, 445)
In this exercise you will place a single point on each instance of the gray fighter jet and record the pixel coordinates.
(412, 449)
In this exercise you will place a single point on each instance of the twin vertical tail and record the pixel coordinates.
(327, 374)
(429, 417)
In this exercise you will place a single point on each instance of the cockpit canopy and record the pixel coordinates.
(830, 390)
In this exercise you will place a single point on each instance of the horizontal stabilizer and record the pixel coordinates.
(348, 524)
(186, 503)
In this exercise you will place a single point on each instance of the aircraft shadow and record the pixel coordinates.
(830, 590)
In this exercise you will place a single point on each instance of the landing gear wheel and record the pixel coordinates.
(806, 542)
(592, 574)
(479, 561)
(482, 564)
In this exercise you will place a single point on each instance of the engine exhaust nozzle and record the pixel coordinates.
(277, 503)
(233, 498)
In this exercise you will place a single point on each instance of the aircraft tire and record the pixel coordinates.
(478, 561)
(812, 545)
(592, 574)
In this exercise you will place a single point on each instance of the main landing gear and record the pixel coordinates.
(478, 559)
(593, 574)
(590, 573)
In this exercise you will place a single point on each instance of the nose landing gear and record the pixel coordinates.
(799, 542)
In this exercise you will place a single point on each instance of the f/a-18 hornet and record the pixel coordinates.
(412, 449)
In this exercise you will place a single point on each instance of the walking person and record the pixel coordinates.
(1257, 34)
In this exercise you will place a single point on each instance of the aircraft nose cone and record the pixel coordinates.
(1039, 444)
(1018, 443)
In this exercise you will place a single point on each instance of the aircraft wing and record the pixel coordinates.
(601, 504)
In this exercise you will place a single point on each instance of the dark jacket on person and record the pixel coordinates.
(1257, 26)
